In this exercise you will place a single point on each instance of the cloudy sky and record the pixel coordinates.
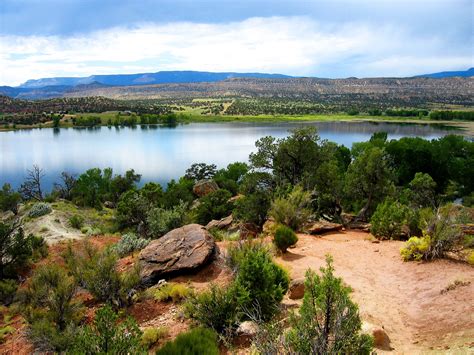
(324, 38)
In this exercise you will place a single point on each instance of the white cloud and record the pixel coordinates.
(292, 45)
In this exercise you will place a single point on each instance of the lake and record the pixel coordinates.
(164, 153)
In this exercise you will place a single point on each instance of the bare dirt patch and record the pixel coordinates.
(403, 297)
(53, 227)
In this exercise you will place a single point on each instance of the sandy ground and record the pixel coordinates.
(403, 297)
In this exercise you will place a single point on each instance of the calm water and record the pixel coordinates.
(163, 153)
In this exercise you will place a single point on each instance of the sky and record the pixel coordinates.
(322, 38)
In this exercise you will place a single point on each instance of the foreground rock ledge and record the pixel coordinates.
(180, 251)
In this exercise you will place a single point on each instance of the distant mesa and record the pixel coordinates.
(209, 84)
(160, 77)
(448, 74)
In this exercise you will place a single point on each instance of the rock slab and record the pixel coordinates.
(223, 223)
(178, 252)
(323, 227)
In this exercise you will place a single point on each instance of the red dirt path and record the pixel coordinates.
(403, 297)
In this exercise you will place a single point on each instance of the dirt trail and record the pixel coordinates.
(404, 298)
(53, 227)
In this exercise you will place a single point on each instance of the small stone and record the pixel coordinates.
(246, 332)
(296, 289)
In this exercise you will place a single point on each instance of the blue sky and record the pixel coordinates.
(329, 38)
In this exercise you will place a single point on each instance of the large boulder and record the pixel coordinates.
(296, 289)
(180, 251)
(321, 227)
(223, 223)
(204, 187)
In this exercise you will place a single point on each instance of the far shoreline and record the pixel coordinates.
(465, 128)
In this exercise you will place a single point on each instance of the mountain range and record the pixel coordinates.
(448, 74)
(80, 86)
(160, 77)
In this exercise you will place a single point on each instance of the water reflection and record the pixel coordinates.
(160, 152)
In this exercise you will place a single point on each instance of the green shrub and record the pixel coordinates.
(76, 221)
(217, 308)
(39, 209)
(444, 232)
(220, 235)
(129, 243)
(9, 199)
(230, 177)
(468, 200)
(152, 335)
(284, 238)
(97, 272)
(172, 291)
(200, 171)
(49, 307)
(193, 342)
(415, 248)
(236, 253)
(388, 220)
(215, 205)
(109, 336)
(50, 198)
(292, 210)
(424, 217)
(46, 337)
(252, 208)
(328, 321)
(7, 291)
(4, 331)
(17, 250)
(133, 207)
(177, 192)
(39, 248)
(161, 221)
(265, 282)
(441, 236)
(470, 258)
(422, 191)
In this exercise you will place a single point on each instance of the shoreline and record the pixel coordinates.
(465, 128)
